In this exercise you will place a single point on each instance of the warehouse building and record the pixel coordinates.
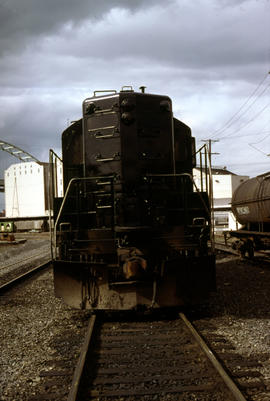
(224, 185)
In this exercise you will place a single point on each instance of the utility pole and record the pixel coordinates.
(210, 153)
(210, 141)
(211, 194)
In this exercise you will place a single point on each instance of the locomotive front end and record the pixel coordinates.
(130, 230)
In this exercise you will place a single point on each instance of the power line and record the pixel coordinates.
(244, 112)
(232, 120)
(248, 164)
(261, 140)
(258, 150)
(252, 145)
(248, 122)
(245, 135)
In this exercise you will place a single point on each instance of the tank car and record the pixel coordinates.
(251, 207)
(131, 230)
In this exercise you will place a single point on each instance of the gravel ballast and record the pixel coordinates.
(36, 327)
(240, 311)
(34, 247)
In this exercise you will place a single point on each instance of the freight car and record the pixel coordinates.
(132, 229)
(251, 207)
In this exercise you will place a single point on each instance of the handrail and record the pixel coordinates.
(191, 179)
(70, 184)
(209, 212)
(201, 148)
(111, 178)
(51, 151)
(51, 190)
(106, 90)
(211, 197)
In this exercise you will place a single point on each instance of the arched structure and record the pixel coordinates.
(17, 152)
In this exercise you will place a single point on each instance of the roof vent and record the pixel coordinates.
(142, 88)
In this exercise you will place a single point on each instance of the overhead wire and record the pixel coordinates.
(248, 122)
(245, 135)
(237, 116)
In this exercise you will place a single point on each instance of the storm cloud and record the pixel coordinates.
(21, 21)
(207, 55)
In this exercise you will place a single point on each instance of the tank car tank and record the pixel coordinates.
(251, 201)
(251, 207)
(131, 230)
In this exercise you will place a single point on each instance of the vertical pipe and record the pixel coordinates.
(55, 178)
(51, 169)
(113, 204)
(83, 140)
(201, 171)
(50, 200)
(173, 142)
(206, 169)
(212, 233)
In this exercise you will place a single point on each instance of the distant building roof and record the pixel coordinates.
(218, 171)
(219, 202)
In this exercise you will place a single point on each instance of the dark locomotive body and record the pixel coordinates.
(131, 230)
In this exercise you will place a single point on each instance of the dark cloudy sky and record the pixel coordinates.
(212, 57)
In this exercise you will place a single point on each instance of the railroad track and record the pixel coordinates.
(259, 256)
(226, 248)
(20, 273)
(149, 360)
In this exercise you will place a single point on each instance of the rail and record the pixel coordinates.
(208, 211)
(205, 168)
(192, 181)
(2, 267)
(22, 276)
(71, 183)
(138, 346)
(109, 180)
(225, 377)
(80, 365)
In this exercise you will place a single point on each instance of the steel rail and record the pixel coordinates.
(74, 390)
(227, 249)
(24, 260)
(80, 365)
(23, 276)
(225, 377)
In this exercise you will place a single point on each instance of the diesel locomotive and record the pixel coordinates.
(132, 229)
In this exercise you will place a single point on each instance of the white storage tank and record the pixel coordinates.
(26, 190)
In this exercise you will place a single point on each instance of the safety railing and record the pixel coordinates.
(83, 193)
(208, 210)
(206, 181)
